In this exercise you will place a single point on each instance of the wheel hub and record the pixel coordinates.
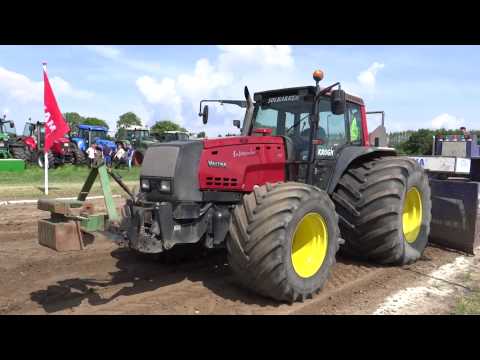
(309, 245)
(412, 215)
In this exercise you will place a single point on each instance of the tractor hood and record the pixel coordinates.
(241, 140)
(233, 164)
(107, 143)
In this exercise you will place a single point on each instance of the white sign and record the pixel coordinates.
(444, 164)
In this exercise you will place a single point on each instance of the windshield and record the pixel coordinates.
(28, 129)
(97, 134)
(6, 128)
(138, 134)
(291, 118)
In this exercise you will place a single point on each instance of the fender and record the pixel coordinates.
(352, 153)
(30, 143)
(80, 143)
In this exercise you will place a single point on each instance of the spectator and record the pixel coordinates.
(464, 131)
(130, 152)
(107, 156)
(91, 154)
(119, 155)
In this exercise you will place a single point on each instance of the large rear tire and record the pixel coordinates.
(18, 153)
(283, 239)
(384, 208)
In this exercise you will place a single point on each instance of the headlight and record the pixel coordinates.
(2, 144)
(165, 186)
(145, 184)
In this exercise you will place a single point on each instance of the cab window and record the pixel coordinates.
(331, 127)
(355, 123)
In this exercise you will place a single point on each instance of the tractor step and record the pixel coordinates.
(455, 215)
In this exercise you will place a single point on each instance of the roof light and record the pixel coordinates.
(318, 75)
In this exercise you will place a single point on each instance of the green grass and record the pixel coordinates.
(468, 304)
(63, 181)
(62, 174)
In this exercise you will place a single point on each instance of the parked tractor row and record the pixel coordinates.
(72, 149)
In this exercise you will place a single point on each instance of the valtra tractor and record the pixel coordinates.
(63, 151)
(301, 182)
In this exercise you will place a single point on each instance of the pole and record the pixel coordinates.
(45, 163)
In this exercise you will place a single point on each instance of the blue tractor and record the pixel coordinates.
(91, 134)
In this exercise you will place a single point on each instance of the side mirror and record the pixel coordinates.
(12, 125)
(236, 123)
(338, 102)
(205, 114)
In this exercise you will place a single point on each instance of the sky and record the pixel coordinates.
(416, 86)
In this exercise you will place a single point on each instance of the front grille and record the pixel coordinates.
(222, 181)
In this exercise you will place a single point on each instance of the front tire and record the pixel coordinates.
(18, 153)
(283, 239)
(384, 207)
(41, 160)
(78, 156)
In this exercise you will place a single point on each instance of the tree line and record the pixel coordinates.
(128, 119)
(419, 142)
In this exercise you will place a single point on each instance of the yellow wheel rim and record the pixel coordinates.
(309, 245)
(412, 215)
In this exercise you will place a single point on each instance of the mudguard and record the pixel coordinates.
(350, 154)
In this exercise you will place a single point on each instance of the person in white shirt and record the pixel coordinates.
(91, 154)
(119, 155)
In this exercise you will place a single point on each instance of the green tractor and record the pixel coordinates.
(12, 153)
(10, 146)
(139, 138)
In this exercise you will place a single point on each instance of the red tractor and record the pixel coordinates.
(62, 151)
(300, 182)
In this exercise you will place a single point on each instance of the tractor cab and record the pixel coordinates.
(168, 136)
(292, 114)
(34, 135)
(85, 135)
(138, 136)
(7, 127)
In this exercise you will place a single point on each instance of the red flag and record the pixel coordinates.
(55, 125)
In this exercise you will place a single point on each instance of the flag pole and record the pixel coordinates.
(45, 162)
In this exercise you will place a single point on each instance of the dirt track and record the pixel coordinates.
(106, 279)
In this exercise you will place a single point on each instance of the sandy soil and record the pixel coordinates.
(107, 279)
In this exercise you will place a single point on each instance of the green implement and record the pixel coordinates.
(71, 220)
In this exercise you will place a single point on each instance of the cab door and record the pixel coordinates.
(332, 134)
